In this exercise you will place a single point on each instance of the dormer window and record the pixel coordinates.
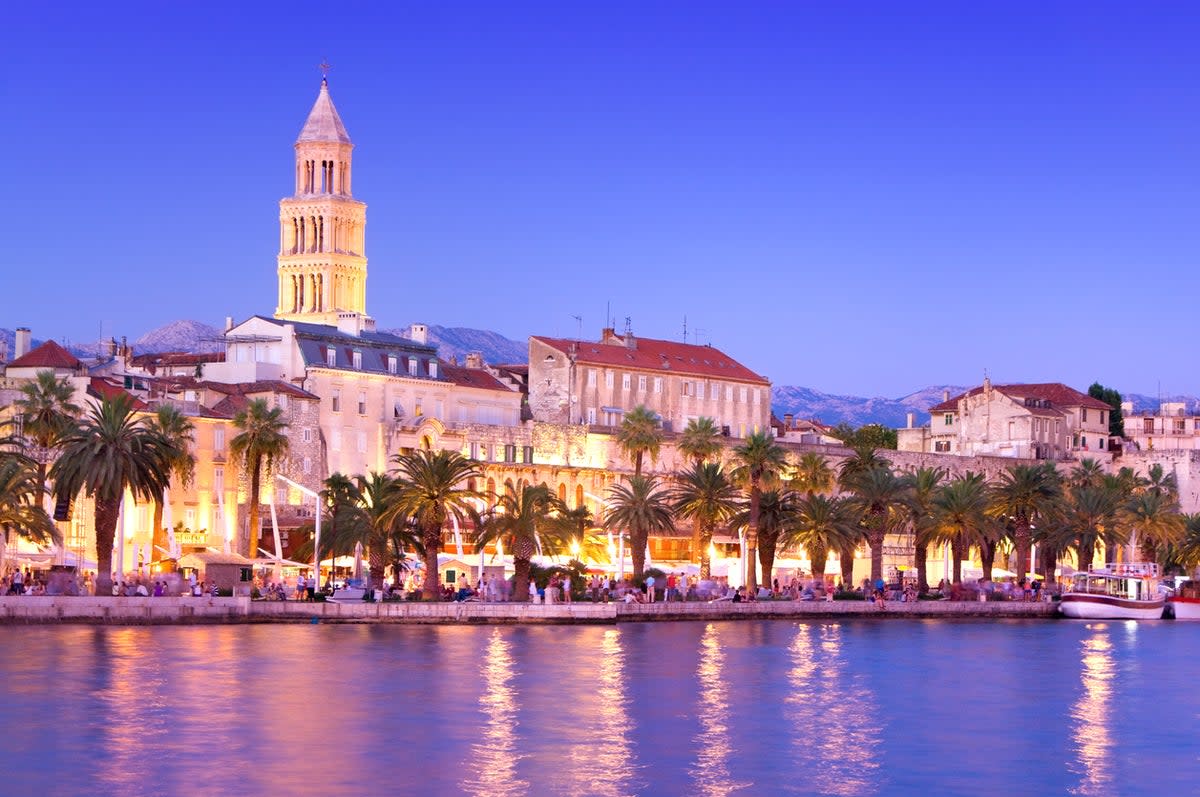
(391, 364)
(433, 369)
(412, 366)
(357, 360)
(331, 357)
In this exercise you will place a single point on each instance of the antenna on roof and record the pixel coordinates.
(579, 321)
(685, 329)
(628, 325)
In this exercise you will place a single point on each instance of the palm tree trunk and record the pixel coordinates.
(376, 565)
(158, 537)
(520, 579)
(766, 554)
(1087, 552)
(817, 556)
(987, 558)
(921, 554)
(1049, 557)
(1022, 541)
(751, 538)
(697, 554)
(705, 543)
(432, 540)
(255, 484)
(637, 544)
(106, 530)
(637, 464)
(957, 551)
(846, 561)
(875, 538)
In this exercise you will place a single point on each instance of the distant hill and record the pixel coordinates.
(833, 409)
(178, 336)
(458, 342)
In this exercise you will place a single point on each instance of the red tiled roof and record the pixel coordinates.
(251, 388)
(48, 355)
(658, 355)
(473, 377)
(1058, 394)
(106, 390)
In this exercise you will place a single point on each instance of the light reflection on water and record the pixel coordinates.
(1091, 715)
(678, 708)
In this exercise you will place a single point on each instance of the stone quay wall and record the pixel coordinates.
(187, 610)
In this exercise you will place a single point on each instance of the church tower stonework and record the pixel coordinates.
(322, 265)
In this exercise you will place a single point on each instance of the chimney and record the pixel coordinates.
(419, 333)
(608, 335)
(228, 323)
(945, 395)
(112, 347)
(908, 418)
(23, 339)
(788, 420)
(474, 360)
(630, 341)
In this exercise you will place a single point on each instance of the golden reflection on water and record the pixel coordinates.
(494, 757)
(711, 770)
(835, 727)
(604, 766)
(1092, 714)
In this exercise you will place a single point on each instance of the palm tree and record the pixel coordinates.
(776, 512)
(960, 508)
(758, 459)
(1154, 522)
(638, 435)
(813, 475)
(1088, 473)
(923, 485)
(1024, 495)
(1187, 552)
(174, 427)
(880, 496)
(700, 441)
(21, 508)
(641, 507)
(1090, 510)
(46, 412)
(705, 496)
(360, 512)
(821, 524)
(525, 521)
(109, 452)
(261, 442)
(429, 492)
(1160, 482)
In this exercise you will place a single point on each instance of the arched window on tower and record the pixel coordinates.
(578, 496)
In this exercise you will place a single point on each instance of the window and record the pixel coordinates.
(219, 439)
(591, 379)
(591, 415)
(687, 387)
(527, 454)
(1012, 426)
(642, 384)
(608, 378)
(356, 358)
(700, 389)
(362, 402)
(1101, 444)
(307, 465)
(729, 392)
(658, 384)
(336, 398)
(625, 381)
(433, 369)
(757, 397)
(306, 435)
(281, 401)
(1101, 417)
(391, 364)
(742, 396)
(949, 419)
(942, 446)
(331, 357)
(510, 453)
(412, 366)
(474, 449)
(218, 480)
(1084, 410)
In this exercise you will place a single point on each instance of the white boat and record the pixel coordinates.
(1185, 603)
(1120, 591)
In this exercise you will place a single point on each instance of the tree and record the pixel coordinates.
(1153, 521)
(700, 441)
(960, 508)
(870, 435)
(776, 511)
(360, 511)
(109, 452)
(174, 427)
(46, 413)
(430, 491)
(821, 524)
(1187, 551)
(758, 459)
(706, 496)
(1089, 511)
(923, 485)
(21, 509)
(813, 475)
(1116, 420)
(1025, 494)
(260, 443)
(524, 521)
(638, 435)
(641, 507)
(881, 497)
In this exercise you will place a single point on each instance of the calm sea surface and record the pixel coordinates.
(854, 708)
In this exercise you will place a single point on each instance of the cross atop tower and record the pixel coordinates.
(324, 66)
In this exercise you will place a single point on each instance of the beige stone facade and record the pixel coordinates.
(1172, 428)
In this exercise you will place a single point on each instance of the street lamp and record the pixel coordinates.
(317, 536)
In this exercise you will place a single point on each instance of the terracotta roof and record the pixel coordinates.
(1058, 394)
(264, 386)
(48, 355)
(473, 377)
(663, 356)
(103, 389)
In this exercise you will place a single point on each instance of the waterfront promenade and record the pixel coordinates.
(193, 610)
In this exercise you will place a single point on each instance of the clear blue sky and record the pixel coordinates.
(856, 197)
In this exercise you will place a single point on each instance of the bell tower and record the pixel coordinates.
(322, 265)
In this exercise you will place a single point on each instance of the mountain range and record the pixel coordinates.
(457, 342)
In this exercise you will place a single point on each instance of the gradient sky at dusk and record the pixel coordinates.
(862, 198)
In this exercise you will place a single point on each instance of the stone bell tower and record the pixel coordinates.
(322, 265)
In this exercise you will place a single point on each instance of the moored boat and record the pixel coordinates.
(1185, 603)
(1119, 591)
